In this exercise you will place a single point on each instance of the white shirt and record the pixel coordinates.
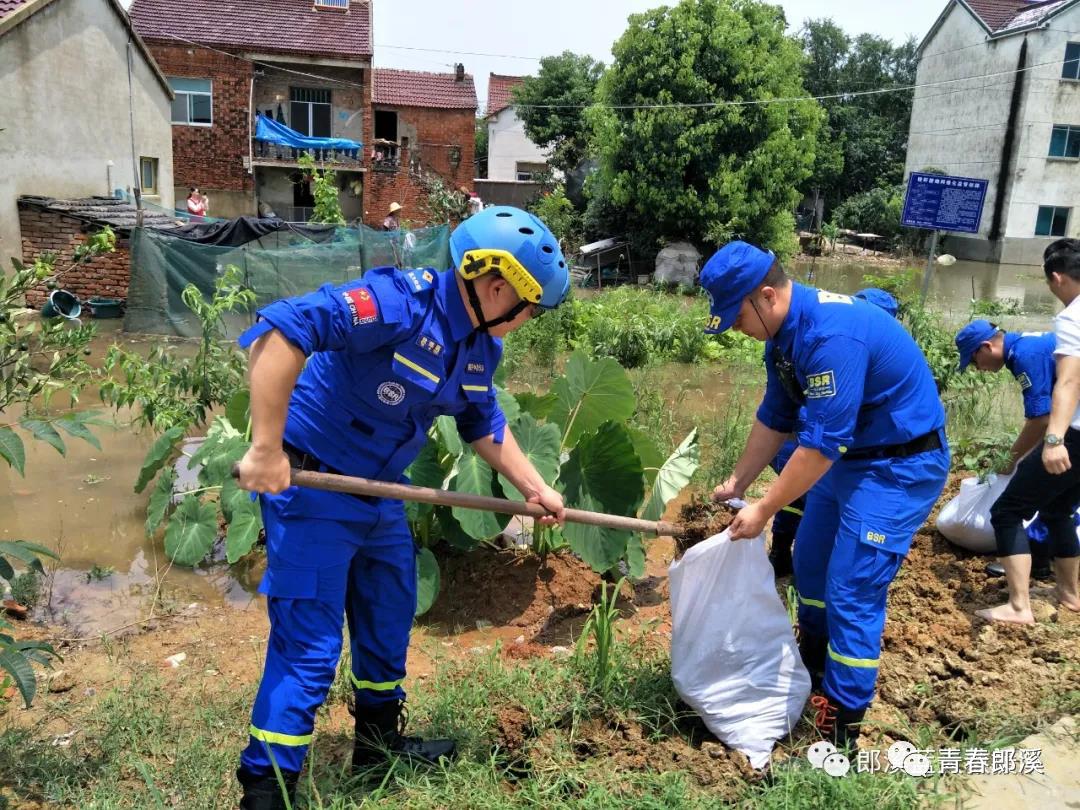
(1067, 331)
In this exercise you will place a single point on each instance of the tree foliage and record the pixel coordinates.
(864, 141)
(324, 189)
(552, 105)
(686, 168)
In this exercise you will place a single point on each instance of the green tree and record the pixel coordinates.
(710, 161)
(552, 105)
(868, 133)
(481, 136)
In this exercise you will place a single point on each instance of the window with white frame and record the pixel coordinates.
(1052, 221)
(340, 4)
(1071, 68)
(309, 111)
(1065, 141)
(194, 102)
(148, 175)
(527, 172)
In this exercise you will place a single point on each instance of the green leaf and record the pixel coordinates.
(160, 499)
(475, 476)
(27, 552)
(450, 530)
(540, 444)
(232, 497)
(220, 433)
(602, 474)
(238, 410)
(6, 571)
(425, 471)
(539, 406)
(243, 529)
(191, 532)
(217, 466)
(15, 663)
(427, 581)
(157, 456)
(673, 478)
(448, 432)
(75, 425)
(591, 393)
(635, 557)
(510, 408)
(44, 432)
(11, 448)
(647, 452)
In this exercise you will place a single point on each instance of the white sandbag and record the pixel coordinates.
(734, 659)
(965, 520)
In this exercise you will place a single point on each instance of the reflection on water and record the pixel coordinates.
(951, 288)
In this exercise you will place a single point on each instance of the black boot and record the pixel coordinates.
(780, 553)
(379, 734)
(264, 792)
(813, 650)
(837, 724)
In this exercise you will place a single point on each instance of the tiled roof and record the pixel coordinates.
(415, 88)
(8, 6)
(99, 211)
(1001, 15)
(264, 26)
(500, 92)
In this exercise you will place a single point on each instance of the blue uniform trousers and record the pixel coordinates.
(856, 530)
(319, 570)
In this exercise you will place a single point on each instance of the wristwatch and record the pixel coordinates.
(1052, 439)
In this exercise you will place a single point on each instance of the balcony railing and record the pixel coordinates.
(272, 154)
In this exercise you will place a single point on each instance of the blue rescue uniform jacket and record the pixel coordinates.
(1029, 356)
(865, 382)
(387, 354)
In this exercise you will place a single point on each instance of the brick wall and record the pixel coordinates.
(211, 158)
(433, 134)
(106, 276)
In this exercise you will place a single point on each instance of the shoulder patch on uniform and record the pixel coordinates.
(821, 385)
(826, 297)
(362, 306)
(1024, 380)
(420, 280)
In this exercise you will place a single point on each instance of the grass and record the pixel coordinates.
(170, 742)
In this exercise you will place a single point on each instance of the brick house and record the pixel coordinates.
(424, 126)
(306, 64)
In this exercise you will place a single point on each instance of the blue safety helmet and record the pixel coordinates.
(519, 246)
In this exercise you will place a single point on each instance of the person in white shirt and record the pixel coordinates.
(1048, 483)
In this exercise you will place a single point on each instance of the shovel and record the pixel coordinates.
(352, 485)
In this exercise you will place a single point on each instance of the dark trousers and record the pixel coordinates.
(1033, 490)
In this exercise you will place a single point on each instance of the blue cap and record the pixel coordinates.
(733, 272)
(971, 337)
(879, 298)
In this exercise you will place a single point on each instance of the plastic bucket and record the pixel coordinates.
(105, 307)
(62, 304)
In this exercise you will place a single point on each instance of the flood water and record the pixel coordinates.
(83, 505)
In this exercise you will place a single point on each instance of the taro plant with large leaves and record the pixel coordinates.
(578, 438)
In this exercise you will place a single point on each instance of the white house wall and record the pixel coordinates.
(64, 111)
(508, 145)
(1038, 179)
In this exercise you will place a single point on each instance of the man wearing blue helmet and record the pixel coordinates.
(786, 523)
(348, 379)
(872, 457)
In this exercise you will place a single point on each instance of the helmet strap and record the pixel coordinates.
(483, 325)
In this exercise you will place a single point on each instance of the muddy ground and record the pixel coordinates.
(941, 667)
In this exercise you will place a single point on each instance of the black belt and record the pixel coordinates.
(303, 460)
(920, 444)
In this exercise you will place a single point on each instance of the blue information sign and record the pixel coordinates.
(944, 203)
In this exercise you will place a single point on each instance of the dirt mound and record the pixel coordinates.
(701, 520)
(548, 600)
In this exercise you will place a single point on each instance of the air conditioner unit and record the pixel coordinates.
(332, 4)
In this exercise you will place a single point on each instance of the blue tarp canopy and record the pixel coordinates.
(269, 130)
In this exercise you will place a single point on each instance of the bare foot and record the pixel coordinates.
(1006, 613)
(1069, 600)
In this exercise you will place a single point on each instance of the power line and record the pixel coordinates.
(461, 53)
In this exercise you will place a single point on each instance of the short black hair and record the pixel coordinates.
(1062, 256)
(776, 277)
